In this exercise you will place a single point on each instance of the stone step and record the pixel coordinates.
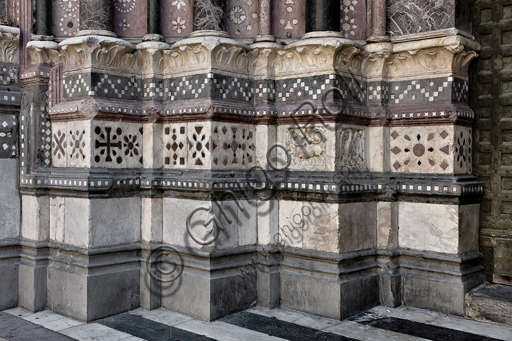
(490, 303)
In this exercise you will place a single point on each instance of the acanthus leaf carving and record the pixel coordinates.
(93, 50)
(9, 44)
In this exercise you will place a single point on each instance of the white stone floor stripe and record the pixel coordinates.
(69, 327)
(95, 331)
(215, 330)
(488, 329)
(224, 331)
(344, 328)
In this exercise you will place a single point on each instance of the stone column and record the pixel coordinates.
(43, 10)
(322, 15)
(97, 15)
(265, 22)
(378, 21)
(154, 17)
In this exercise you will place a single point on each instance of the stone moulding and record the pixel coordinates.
(9, 44)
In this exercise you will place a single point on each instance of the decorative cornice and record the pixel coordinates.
(9, 44)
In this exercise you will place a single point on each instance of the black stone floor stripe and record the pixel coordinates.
(149, 330)
(14, 328)
(418, 329)
(282, 329)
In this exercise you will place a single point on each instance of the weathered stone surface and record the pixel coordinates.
(358, 226)
(415, 16)
(96, 15)
(490, 303)
(447, 229)
(9, 199)
(35, 223)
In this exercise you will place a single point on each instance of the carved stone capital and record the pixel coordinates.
(437, 57)
(207, 51)
(318, 55)
(9, 44)
(149, 57)
(98, 52)
(262, 58)
(43, 52)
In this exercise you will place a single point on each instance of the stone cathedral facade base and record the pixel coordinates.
(326, 175)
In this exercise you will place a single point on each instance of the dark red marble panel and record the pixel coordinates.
(288, 18)
(65, 18)
(176, 18)
(13, 12)
(353, 19)
(242, 18)
(130, 18)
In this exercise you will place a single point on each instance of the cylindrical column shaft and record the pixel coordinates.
(153, 16)
(379, 18)
(43, 11)
(322, 15)
(97, 15)
(265, 17)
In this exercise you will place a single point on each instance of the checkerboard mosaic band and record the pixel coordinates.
(280, 91)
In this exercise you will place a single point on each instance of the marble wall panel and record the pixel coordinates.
(116, 144)
(428, 227)
(234, 146)
(288, 18)
(358, 226)
(71, 144)
(176, 18)
(65, 18)
(35, 222)
(130, 18)
(200, 146)
(320, 225)
(175, 151)
(289, 234)
(463, 150)
(242, 18)
(423, 149)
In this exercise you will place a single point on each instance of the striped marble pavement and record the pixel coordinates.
(379, 324)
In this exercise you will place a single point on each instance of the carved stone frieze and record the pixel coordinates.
(308, 147)
(9, 44)
(351, 156)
